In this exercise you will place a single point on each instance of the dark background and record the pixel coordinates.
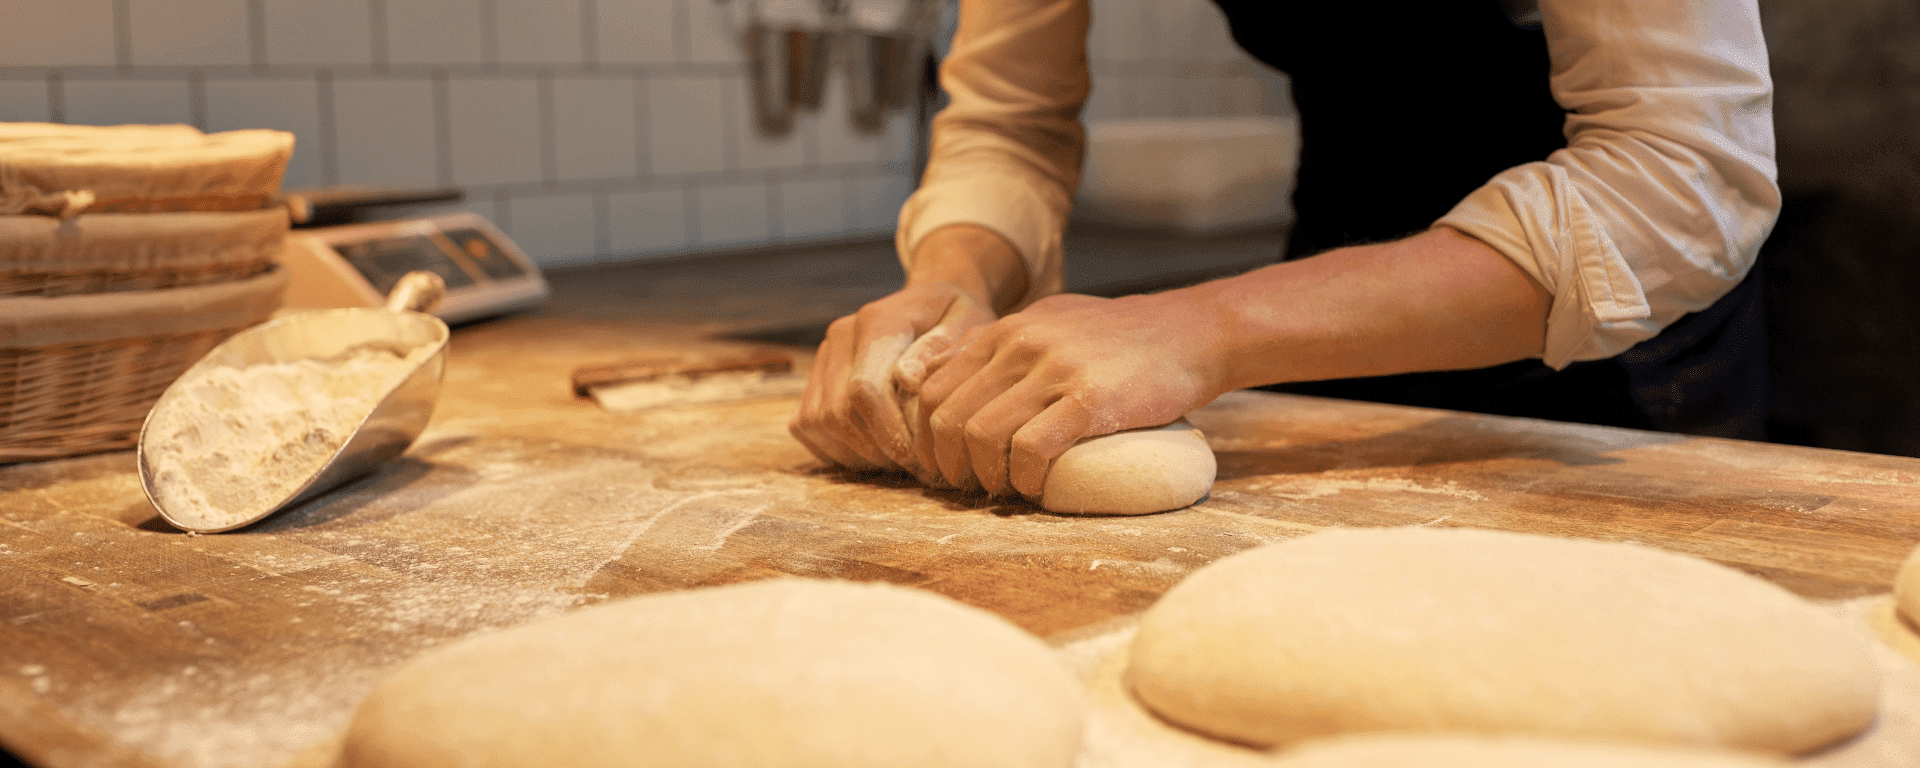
(1842, 268)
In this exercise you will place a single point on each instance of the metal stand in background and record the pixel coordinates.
(791, 46)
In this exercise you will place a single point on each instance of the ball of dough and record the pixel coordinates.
(1136, 472)
(1469, 751)
(1906, 588)
(1494, 632)
(789, 672)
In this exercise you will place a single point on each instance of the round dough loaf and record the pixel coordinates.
(1494, 632)
(1136, 472)
(1906, 588)
(789, 672)
(1468, 751)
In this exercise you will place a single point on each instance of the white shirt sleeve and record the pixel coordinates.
(1006, 150)
(1660, 201)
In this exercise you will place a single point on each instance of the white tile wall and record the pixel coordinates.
(650, 221)
(289, 104)
(109, 102)
(685, 130)
(434, 32)
(539, 31)
(596, 130)
(596, 127)
(384, 133)
(813, 209)
(732, 214)
(634, 33)
(195, 34)
(561, 228)
(24, 101)
(495, 129)
(316, 32)
(57, 33)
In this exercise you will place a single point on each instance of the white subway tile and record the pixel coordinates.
(56, 33)
(596, 130)
(731, 214)
(876, 201)
(437, 32)
(495, 128)
(814, 208)
(685, 131)
(190, 32)
(385, 129)
(714, 28)
(114, 102)
(539, 31)
(318, 32)
(647, 222)
(24, 101)
(291, 104)
(555, 230)
(635, 31)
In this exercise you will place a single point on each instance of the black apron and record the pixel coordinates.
(1406, 106)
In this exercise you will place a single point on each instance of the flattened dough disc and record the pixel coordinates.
(1495, 632)
(789, 672)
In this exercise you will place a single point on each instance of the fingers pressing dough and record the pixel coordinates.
(791, 672)
(1135, 472)
(1501, 633)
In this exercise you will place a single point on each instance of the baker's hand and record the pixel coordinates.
(852, 413)
(1018, 393)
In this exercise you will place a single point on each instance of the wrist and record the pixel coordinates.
(974, 259)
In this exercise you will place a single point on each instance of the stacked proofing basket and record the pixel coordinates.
(126, 254)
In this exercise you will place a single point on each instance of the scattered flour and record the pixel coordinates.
(235, 441)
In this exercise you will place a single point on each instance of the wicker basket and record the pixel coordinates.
(79, 373)
(112, 252)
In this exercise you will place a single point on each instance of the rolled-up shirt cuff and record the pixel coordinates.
(1533, 216)
(1006, 205)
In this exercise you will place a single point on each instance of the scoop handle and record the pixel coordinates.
(417, 291)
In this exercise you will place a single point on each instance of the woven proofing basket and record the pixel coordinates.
(79, 373)
(104, 252)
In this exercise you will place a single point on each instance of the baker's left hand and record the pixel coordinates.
(1017, 393)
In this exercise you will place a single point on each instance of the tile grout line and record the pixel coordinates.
(123, 35)
(443, 127)
(329, 131)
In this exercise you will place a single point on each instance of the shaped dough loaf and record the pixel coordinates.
(1136, 472)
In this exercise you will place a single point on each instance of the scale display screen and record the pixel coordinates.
(358, 264)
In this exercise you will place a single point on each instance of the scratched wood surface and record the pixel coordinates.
(126, 643)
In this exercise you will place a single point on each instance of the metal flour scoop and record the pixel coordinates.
(289, 409)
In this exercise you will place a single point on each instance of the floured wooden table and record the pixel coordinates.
(124, 642)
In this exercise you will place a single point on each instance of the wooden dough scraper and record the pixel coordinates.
(689, 380)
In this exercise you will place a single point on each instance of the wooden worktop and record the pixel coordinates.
(125, 642)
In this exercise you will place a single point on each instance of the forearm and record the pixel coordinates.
(976, 260)
(1436, 301)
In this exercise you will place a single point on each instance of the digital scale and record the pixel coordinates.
(355, 265)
